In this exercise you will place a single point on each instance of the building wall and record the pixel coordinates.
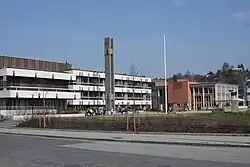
(24, 90)
(32, 64)
(21, 83)
(223, 91)
(179, 92)
(203, 96)
(208, 96)
(158, 97)
(91, 86)
(247, 91)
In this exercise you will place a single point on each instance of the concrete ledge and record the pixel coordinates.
(43, 133)
(151, 133)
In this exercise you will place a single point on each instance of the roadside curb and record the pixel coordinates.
(147, 133)
(204, 144)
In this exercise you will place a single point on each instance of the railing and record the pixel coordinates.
(37, 85)
(38, 88)
(116, 98)
(26, 107)
(116, 85)
(27, 110)
(90, 83)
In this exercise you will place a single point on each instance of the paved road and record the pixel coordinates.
(142, 138)
(27, 151)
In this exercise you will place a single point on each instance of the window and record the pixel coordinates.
(206, 90)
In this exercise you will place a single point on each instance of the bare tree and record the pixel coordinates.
(134, 73)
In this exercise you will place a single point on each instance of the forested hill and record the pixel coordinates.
(227, 74)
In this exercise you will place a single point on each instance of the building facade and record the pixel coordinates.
(179, 94)
(183, 95)
(24, 89)
(246, 87)
(32, 90)
(209, 95)
(90, 85)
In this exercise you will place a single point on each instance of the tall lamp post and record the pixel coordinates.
(165, 73)
(32, 109)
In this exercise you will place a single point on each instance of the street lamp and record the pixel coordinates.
(32, 109)
(165, 73)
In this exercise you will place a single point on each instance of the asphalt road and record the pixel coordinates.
(25, 151)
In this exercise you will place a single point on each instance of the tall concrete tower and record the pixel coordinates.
(109, 73)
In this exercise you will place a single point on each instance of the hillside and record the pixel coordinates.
(227, 74)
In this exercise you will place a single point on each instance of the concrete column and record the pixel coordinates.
(203, 97)
(109, 73)
(195, 105)
(215, 93)
(4, 82)
(125, 95)
(158, 103)
(211, 101)
(88, 93)
(194, 100)
(225, 92)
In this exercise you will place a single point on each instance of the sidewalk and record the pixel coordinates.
(194, 140)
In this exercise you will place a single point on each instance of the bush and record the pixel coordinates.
(187, 123)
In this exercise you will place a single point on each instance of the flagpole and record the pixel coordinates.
(165, 73)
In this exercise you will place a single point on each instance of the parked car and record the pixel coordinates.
(95, 111)
(90, 112)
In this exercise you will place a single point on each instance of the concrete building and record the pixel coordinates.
(209, 95)
(246, 87)
(179, 94)
(31, 87)
(158, 95)
(183, 95)
(28, 85)
(91, 87)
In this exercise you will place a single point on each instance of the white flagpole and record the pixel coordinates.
(165, 73)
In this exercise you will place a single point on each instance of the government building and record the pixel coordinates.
(29, 85)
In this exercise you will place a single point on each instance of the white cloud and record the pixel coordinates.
(241, 16)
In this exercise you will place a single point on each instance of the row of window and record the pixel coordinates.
(97, 75)
(99, 90)
(123, 103)
(116, 98)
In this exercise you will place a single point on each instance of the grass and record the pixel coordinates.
(190, 123)
(205, 116)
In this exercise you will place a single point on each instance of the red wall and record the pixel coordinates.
(179, 92)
